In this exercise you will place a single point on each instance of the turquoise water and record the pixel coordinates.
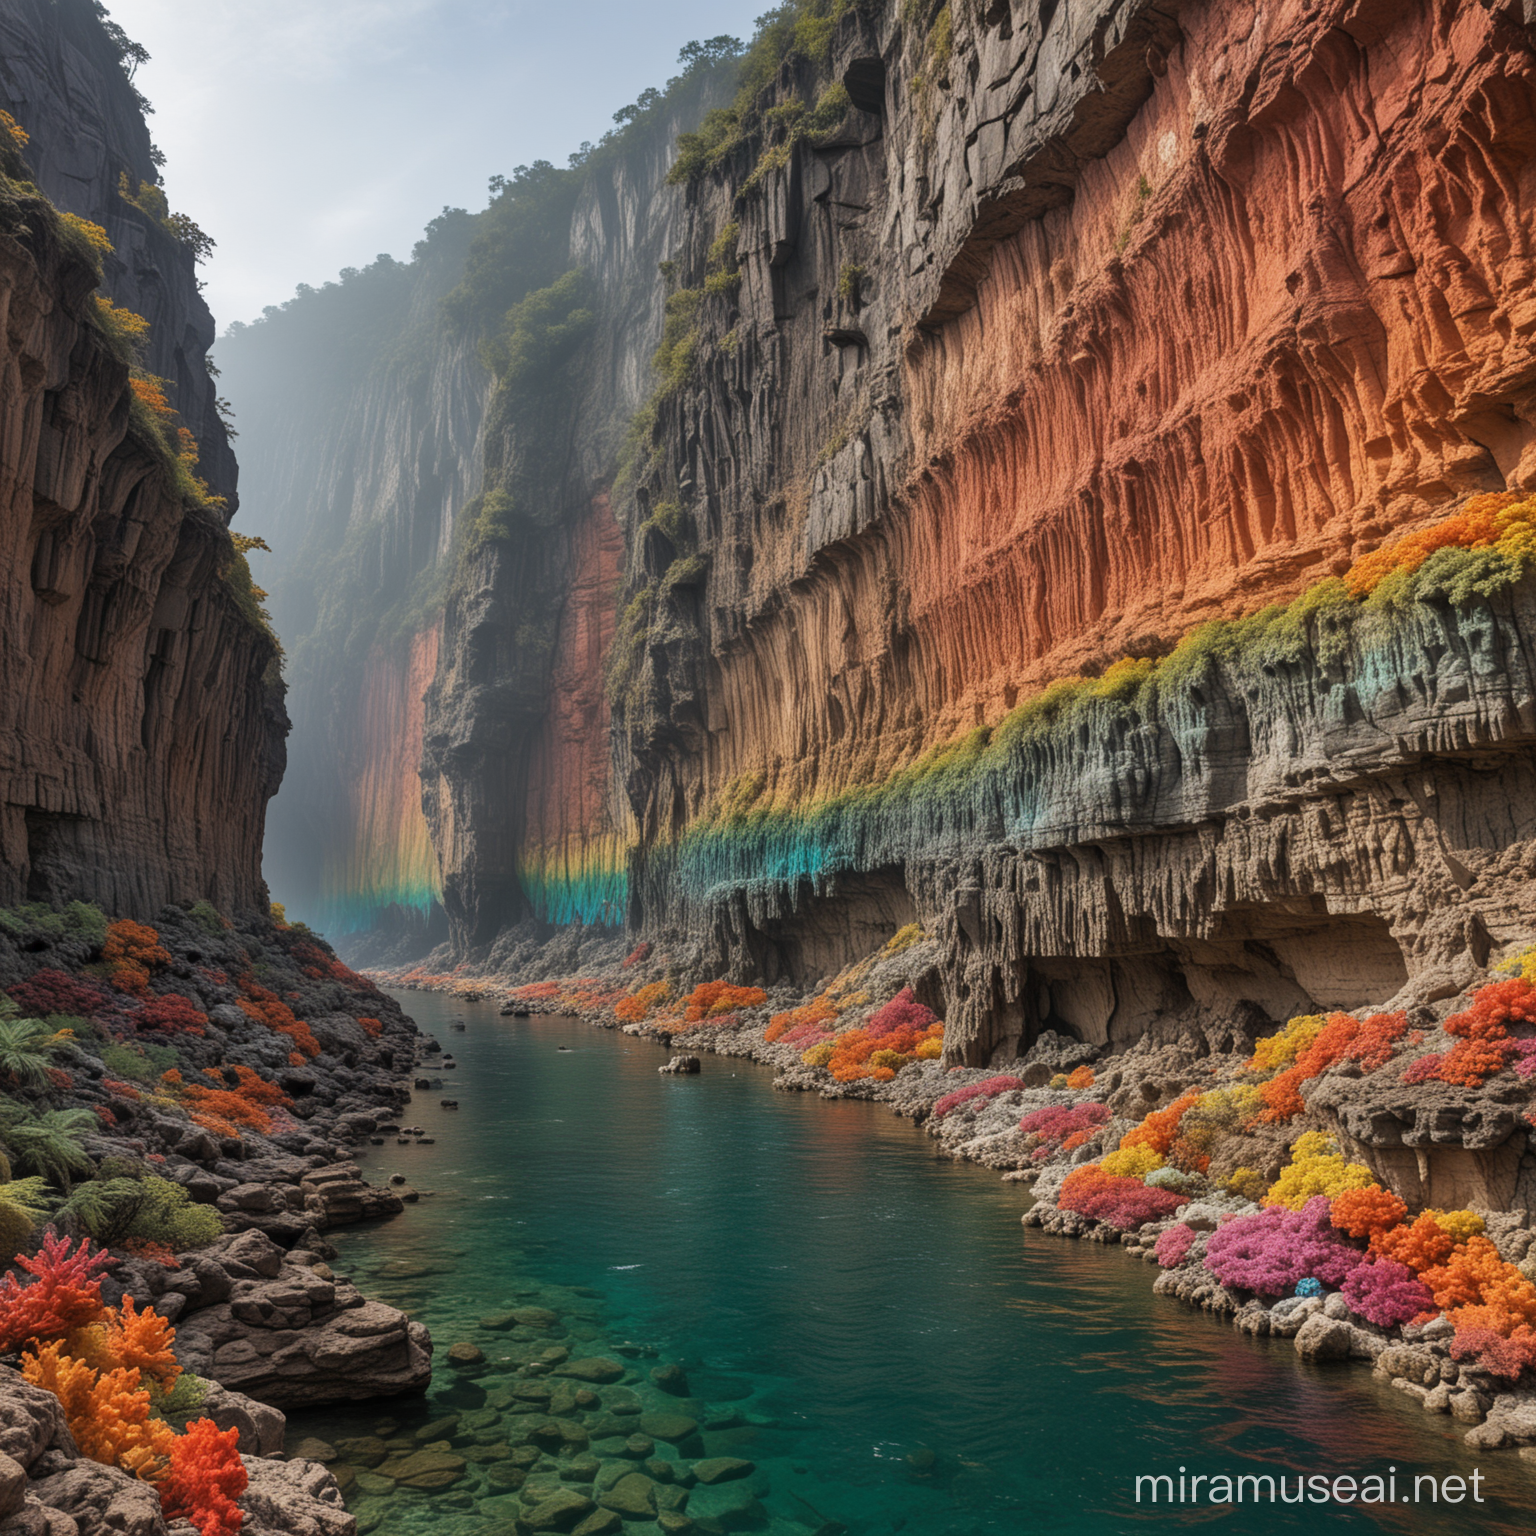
(867, 1324)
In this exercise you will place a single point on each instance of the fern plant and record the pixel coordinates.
(48, 1143)
(27, 1045)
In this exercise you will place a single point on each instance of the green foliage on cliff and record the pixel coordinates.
(673, 359)
(794, 27)
(540, 333)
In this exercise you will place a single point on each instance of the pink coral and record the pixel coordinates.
(1058, 1121)
(1174, 1245)
(987, 1089)
(902, 1012)
(1270, 1252)
(1386, 1293)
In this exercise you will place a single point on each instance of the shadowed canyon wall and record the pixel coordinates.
(65, 76)
(143, 722)
(361, 420)
(995, 522)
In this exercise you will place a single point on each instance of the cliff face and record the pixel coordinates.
(1193, 306)
(363, 419)
(1025, 381)
(139, 743)
(65, 78)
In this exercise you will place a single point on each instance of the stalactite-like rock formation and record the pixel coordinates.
(139, 742)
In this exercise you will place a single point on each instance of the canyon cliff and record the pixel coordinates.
(921, 492)
(143, 720)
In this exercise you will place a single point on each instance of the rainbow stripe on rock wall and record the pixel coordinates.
(386, 859)
(578, 880)
(1415, 638)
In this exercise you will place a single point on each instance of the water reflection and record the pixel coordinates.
(901, 1355)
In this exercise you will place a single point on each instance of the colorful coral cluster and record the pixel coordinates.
(107, 1365)
(903, 1031)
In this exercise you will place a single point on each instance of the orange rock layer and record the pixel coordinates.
(1289, 314)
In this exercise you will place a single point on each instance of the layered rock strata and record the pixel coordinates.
(142, 721)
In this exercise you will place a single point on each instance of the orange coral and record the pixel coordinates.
(635, 1008)
(1421, 1246)
(127, 1339)
(1366, 1212)
(1158, 1129)
(1082, 1077)
(1342, 1038)
(269, 1009)
(206, 1476)
(820, 1010)
(373, 1027)
(1476, 526)
(710, 999)
(132, 950)
(108, 1411)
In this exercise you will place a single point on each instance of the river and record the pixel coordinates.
(865, 1322)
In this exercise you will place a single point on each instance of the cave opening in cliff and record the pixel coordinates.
(1267, 964)
(830, 928)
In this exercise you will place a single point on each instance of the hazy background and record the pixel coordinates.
(310, 135)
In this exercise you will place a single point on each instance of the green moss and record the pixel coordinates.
(722, 249)
(1133, 218)
(730, 341)
(629, 637)
(208, 918)
(941, 40)
(686, 571)
(849, 281)
(674, 358)
(722, 282)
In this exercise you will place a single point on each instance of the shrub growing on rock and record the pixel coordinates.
(1316, 1168)
(1173, 1245)
(988, 1088)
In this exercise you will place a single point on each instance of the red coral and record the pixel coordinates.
(1116, 1199)
(205, 1478)
(641, 951)
(173, 1014)
(987, 1089)
(51, 991)
(65, 1293)
(902, 1012)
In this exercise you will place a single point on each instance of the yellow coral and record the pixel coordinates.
(1277, 1051)
(1457, 1225)
(818, 1055)
(903, 938)
(929, 1050)
(1317, 1167)
(1137, 1162)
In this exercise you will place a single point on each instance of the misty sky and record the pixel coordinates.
(310, 135)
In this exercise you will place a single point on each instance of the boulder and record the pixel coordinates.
(298, 1498)
(339, 1196)
(1324, 1338)
(102, 1501)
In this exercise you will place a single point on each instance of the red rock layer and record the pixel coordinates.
(1290, 312)
(386, 858)
(569, 834)
(138, 744)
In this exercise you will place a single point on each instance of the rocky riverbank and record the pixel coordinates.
(1363, 1185)
(185, 1096)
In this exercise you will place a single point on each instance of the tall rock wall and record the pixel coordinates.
(142, 730)
(361, 419)
(1027, 407)
(65, 77)
(1094, 325)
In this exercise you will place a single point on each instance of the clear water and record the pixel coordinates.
(867, 1323)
